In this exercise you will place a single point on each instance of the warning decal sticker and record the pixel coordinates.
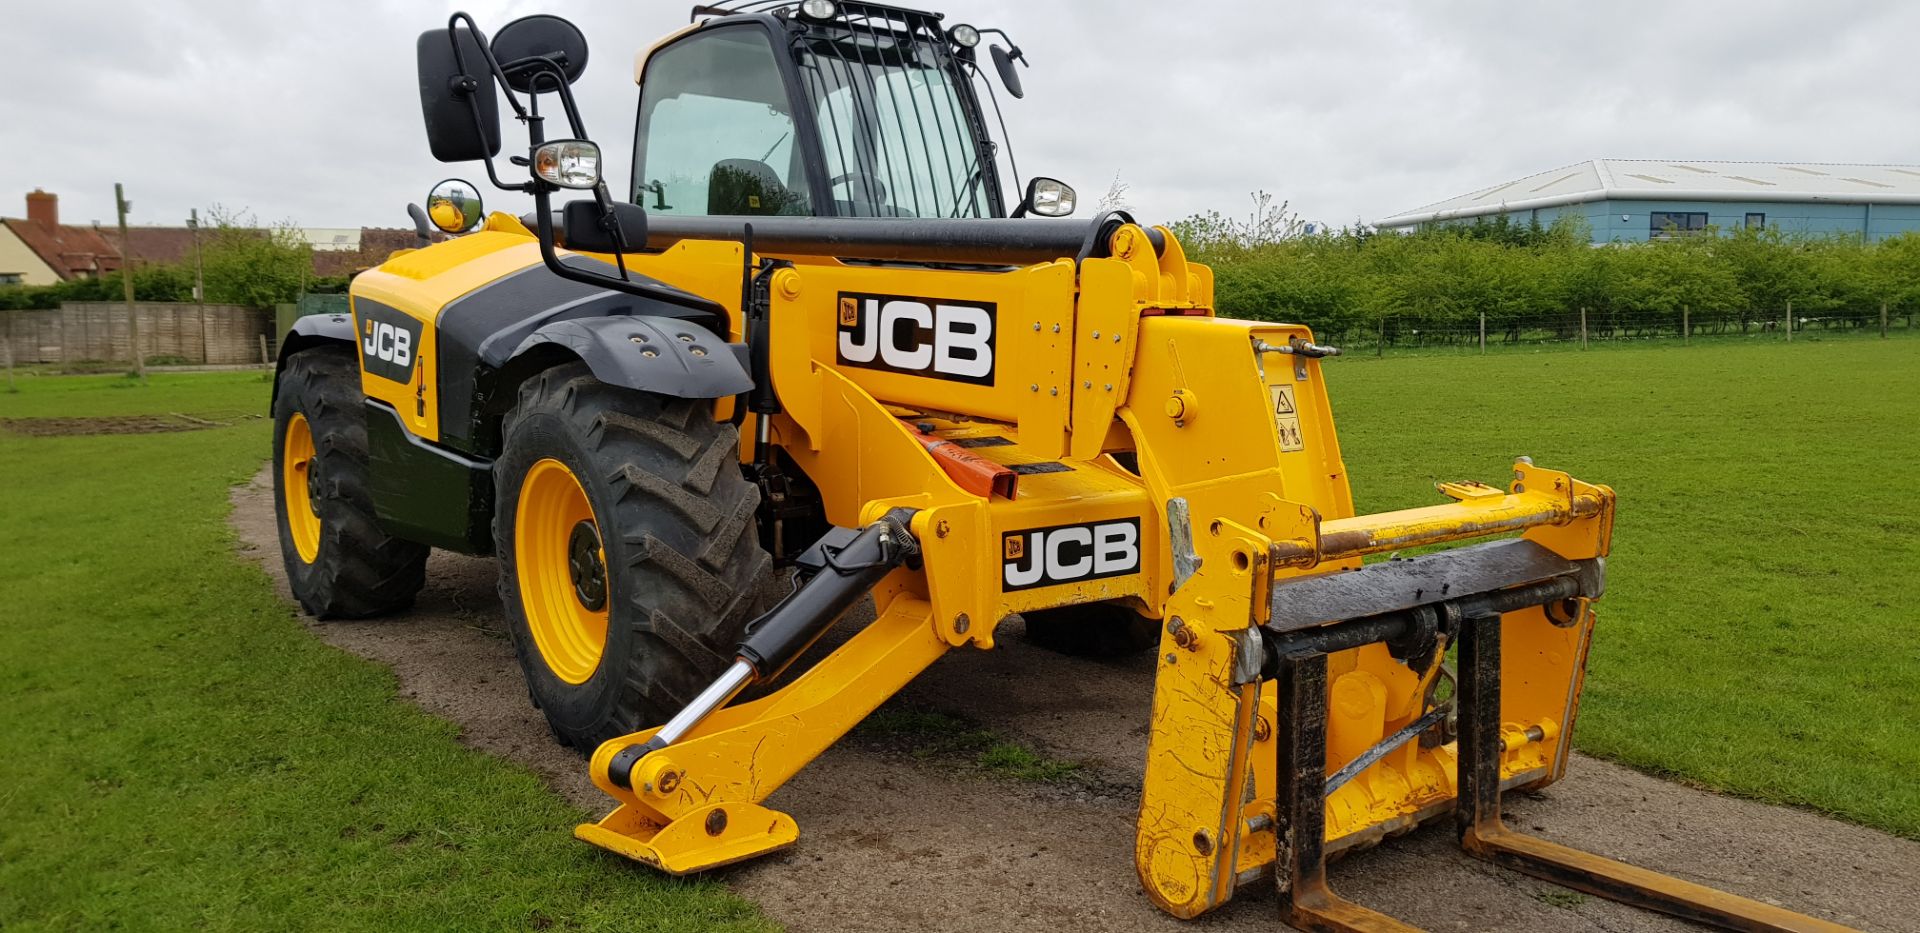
(1286, 418)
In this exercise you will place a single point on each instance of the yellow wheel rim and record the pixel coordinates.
(296, 484)
(560, 565)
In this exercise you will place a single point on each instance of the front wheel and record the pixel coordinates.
(629, 562)
(340, 565)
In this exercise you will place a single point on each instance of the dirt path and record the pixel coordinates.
(888, 843)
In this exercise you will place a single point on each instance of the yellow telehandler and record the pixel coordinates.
(813, 334)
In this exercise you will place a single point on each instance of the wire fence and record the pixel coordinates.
(1586, 328)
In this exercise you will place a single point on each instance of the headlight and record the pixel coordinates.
(817, 9)
(964, 36)
(569, 163)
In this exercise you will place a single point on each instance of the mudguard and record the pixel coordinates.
(651, 354)
(308, 332)
(316, 328)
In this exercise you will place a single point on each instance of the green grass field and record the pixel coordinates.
(1758, 634)
(180, 752)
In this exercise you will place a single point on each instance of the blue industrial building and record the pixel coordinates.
(1633, 200)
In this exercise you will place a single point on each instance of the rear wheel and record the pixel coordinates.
(629, 564)
(339, 563)
(1098, 630)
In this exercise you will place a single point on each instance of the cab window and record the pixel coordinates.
(715, 134)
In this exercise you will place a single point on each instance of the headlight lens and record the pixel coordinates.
(569, 163)
(964, 36)
(817, 9)
(1052, 197)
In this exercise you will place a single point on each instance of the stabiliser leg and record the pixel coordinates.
(690, 792)
(1483, 834)
(845, 573)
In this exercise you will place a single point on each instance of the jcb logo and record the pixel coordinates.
(388, 340)
(1069, 553)
(918, 336)
(389, 343)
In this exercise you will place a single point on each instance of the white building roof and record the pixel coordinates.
(1654, 179)
(323, 239)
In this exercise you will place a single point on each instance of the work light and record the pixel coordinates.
(818, 9)
(569, 163)
(964, 36)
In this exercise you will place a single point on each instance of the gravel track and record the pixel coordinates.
(890, 843)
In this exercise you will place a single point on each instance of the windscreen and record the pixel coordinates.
(894, 126)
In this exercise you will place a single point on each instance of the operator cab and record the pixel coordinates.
(813, 108)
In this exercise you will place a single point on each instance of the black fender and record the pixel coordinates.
(664, 355)
(314, 330)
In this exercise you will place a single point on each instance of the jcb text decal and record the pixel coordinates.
(1069, 553)
(389, 340)
(937, 337)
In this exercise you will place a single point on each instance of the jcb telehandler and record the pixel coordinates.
(812, 333)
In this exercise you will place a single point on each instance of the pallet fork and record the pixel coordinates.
(1307, 903)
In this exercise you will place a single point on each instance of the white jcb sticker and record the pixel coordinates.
(1286, 418)
(1069, 553)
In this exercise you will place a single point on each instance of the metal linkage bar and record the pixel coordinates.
(1483, 834)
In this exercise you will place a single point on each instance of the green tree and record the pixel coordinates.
(246, 264)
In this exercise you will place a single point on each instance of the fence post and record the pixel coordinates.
(1483, 332)
(126, 280)
(1686, 326)
(1583, 327)
(1883, 319)
(9, 339)
(265, 360)
(1789, 320)
(1380, 347)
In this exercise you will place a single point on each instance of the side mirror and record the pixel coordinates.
(584, 228)
(1003, 63)
(535, 37)
(449, 94)
(1047, 197)
(454, 206)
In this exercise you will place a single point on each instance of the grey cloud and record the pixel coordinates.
(308, 112)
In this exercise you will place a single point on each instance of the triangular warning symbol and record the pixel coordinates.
(1283, 400)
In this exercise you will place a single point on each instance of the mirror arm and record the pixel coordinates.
(543, 215)
(459, 60)
(545, 67)
(469, 87)
(1013, 48)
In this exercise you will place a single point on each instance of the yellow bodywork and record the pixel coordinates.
(1103, 356)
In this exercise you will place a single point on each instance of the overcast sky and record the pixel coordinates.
(309, 112)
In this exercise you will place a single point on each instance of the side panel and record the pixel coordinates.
(427, 493)
(408, 292)
(994, 345)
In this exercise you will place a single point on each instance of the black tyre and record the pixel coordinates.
(1093, 630)
(339, 563)
(628, 559)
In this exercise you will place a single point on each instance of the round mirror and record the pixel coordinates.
(454, 206)
(539, 36)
